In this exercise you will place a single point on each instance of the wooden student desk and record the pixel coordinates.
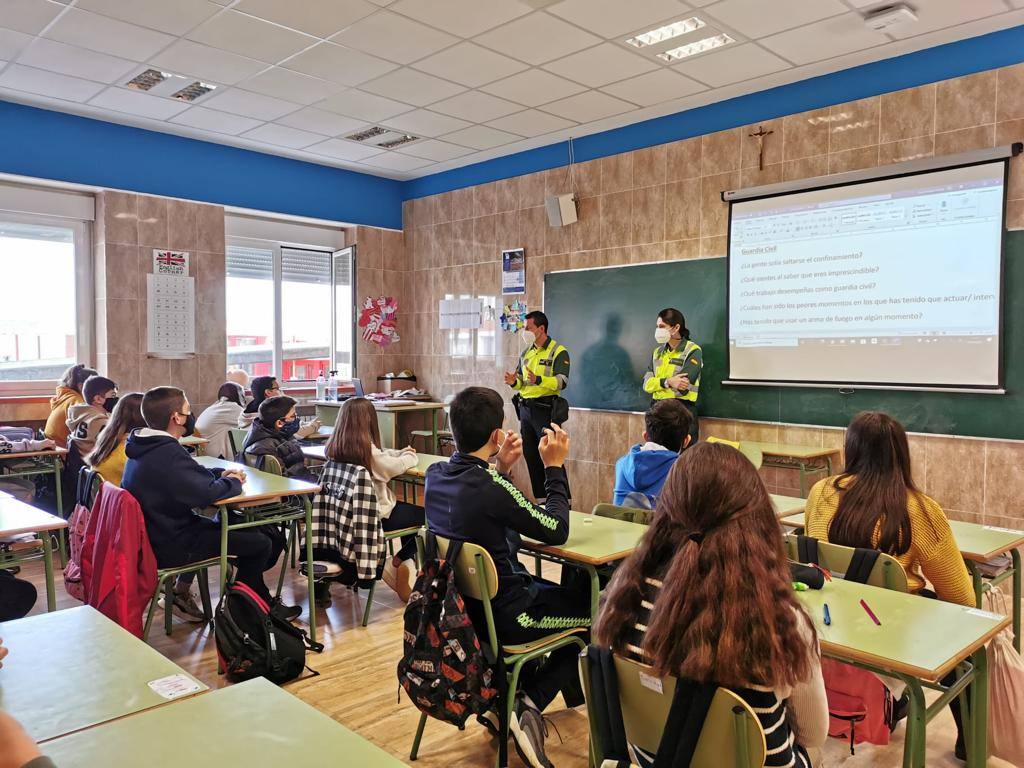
(254, 723)
(74, 669)
(17, 518)
(787, 505)
(808, 459)
(387, 418)
(919, 641)
(194, 443)
(37, 463)
(274, 491)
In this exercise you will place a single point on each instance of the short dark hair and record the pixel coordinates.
(96, 386)
(668, 422)
(539, 319)
(75, 376)
(275, 408)
(232, 392)
(475, 413)
(672, 316)
(159, 404)
(259, 387)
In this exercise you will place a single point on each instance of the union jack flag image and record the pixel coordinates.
(171, 261)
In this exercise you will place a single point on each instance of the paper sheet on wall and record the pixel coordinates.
(171, 315)
(459, 314)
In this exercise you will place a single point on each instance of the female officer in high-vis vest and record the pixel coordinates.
(676, 365)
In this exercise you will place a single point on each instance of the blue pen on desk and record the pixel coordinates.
(828, 618)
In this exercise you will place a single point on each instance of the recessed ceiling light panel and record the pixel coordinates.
(147, 79)
(667, 32)
(692, 49)
(194, 91)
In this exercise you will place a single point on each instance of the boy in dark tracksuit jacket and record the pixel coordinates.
(466, 499)
(273, 434)
(169, 485)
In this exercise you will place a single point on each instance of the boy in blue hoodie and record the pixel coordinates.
(645, 467)
(170, 485)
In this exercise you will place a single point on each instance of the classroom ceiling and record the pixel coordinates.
(470, 79)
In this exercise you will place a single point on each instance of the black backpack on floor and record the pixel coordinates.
(251, 642)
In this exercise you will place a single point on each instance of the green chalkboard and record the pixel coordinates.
(606, 319)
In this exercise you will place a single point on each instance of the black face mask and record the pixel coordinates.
(109, 403)
(190, 424)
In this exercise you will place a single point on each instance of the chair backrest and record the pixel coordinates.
(471, 581)
(264, 462)
(887, 572)
(236, 437)
(752, 452)
(629, 514)
(94, 487)
(731, 736)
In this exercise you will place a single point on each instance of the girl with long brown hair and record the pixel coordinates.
(708, 596)
(356, 440)
(108, 457)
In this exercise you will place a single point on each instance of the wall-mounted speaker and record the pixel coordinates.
(561, 209)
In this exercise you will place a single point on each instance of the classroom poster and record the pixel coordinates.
(379, 320)
(513, 317)
(170, 263)
(513, 272)
(171, 315)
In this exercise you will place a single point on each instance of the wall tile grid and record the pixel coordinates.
(128, 228)
(663, 203)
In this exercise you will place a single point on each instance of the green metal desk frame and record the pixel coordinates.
(43, 463)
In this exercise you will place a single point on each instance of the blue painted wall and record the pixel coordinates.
(964, 57)
(53, 145)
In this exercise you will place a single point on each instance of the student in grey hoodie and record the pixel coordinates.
(645, 467)
(85, 420)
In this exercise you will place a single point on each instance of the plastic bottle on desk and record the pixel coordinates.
(321, 385)
(332, 386)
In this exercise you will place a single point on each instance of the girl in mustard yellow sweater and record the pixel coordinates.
(874, 504)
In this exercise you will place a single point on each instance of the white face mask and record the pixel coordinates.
(528, 336)
(662, 335)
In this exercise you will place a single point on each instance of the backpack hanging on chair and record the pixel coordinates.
(443, 668)
(77, 526)
(1005, 690)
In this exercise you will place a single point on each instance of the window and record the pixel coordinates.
(46, 317)
(288, 308)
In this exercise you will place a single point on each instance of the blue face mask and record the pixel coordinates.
(290, 428)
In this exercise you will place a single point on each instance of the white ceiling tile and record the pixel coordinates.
(756, 18)
(732, 64)
(423, 122)
(654, 88)
(29, 16)
(249, 36)
(470, 65)
(283, 136)
(319, 121)
(106, 35)
(365, 106)
(610, 18)
(255, 105)
(394, 37)
(591, 105)
(293, 86)
(537, 38)
(533, 88)
(395, 162)
(339, 64)
(939, 14)
(314, 17)
(412, 87)
(601, 65)
(344, 150)
(465, 18)
(137, 103)
(12, 43)
(824, 39)
(432, 149)
(482, 137)
(74, 61)
(476, 107)
(48, 83)
(531, 122)
(382, 2)
(206, 63)
(175, 18)
(214, 120)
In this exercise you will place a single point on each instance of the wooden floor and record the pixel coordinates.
(358, 687)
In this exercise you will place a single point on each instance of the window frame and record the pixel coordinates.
(85, 299)
(276, 247)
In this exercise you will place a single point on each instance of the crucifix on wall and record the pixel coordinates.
(761, 134)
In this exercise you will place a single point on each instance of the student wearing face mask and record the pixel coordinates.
(676, 365)
(273, 434)
(539, 379)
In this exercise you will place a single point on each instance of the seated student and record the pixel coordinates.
(169, 485)
(217, 421)
(468, 500)
(262, 388)
(108, 457)
(86, 419)
(645, 467)
(874, 504)
(708, 596)
(69, 392)
(273, 434)
(356, 440)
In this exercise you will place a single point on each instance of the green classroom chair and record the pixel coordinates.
(477, 577)
(887, 572)
(236, 438)
(629, 514)
(444, 435)
(389, 538)
(731, 735)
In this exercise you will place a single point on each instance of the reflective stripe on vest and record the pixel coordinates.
(540, 362)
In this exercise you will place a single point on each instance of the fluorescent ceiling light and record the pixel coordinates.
(667, 32)
(691, 49)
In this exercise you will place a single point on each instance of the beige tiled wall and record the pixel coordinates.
(663, 203)
(128, 228)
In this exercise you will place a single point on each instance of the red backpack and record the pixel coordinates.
(77, 526)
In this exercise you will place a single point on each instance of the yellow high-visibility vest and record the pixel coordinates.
(550, 364)
(667, 362)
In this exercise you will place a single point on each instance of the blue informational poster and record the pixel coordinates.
(513, 272)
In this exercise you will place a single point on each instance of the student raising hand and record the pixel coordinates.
(509, 452)
(554, 446)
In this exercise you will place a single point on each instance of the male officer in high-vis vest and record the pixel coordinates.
(676, 365)
(539, 379)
